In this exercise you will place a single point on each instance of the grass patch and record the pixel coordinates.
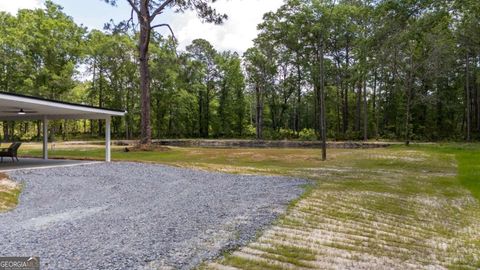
(244, 263)
(9, 193)
(292, 252)
(469, 171)
(468, 160)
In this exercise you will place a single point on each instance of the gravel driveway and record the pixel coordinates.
(138, 216)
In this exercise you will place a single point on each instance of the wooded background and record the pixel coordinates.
(400, 69)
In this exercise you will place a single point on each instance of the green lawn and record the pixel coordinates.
(468, 161)
(401, 208)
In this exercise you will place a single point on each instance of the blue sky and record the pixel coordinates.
(94, 13)
(236, 34)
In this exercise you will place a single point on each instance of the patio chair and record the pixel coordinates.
(11, 151)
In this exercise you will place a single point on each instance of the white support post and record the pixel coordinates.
(45, 138)
(107, 139)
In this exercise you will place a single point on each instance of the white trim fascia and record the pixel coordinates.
(61, 105)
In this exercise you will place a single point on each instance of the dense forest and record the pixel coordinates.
(384, 69)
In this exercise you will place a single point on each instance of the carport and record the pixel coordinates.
(15, 107)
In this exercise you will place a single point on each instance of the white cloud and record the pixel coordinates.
(235, 34)
(12, 6)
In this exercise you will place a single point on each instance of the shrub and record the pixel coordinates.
(307, 134)
(286, 134)
(250, 131)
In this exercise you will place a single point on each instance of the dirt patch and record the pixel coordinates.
(147, 148)
(6, 184)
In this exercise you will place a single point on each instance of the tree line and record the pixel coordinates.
(341, 70)
(390, 69)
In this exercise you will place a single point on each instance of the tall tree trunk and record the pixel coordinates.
(259, 113)
(365, 111)
(393, 92)
(100, 101)
(477, 90)
(358, 106)
(91, 127)
(94, 80)
(170, 121)
(475, 110)
(39, 132)
(201, 113)
(320, 100)
(144, 41)
(5, 131)
(374, 102)
(207, 111)
(12, 131)
(409, 97)
(345, 95)
(339, 100)
(468, 96)
(296, 121)
(316, 106)
(160, 115)
(222, 108)
(127, 116)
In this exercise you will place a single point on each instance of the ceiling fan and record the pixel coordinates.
(20, 111)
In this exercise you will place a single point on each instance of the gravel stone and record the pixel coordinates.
(138, 216)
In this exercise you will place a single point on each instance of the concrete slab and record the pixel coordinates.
(36, 163)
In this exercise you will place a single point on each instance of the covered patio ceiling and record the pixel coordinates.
(15, 107)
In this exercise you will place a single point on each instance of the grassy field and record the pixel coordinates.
(403, 208)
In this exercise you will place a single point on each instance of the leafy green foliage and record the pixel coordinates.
(307, 134)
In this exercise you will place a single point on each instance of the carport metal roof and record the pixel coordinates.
(15, 107)
(38, 108)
